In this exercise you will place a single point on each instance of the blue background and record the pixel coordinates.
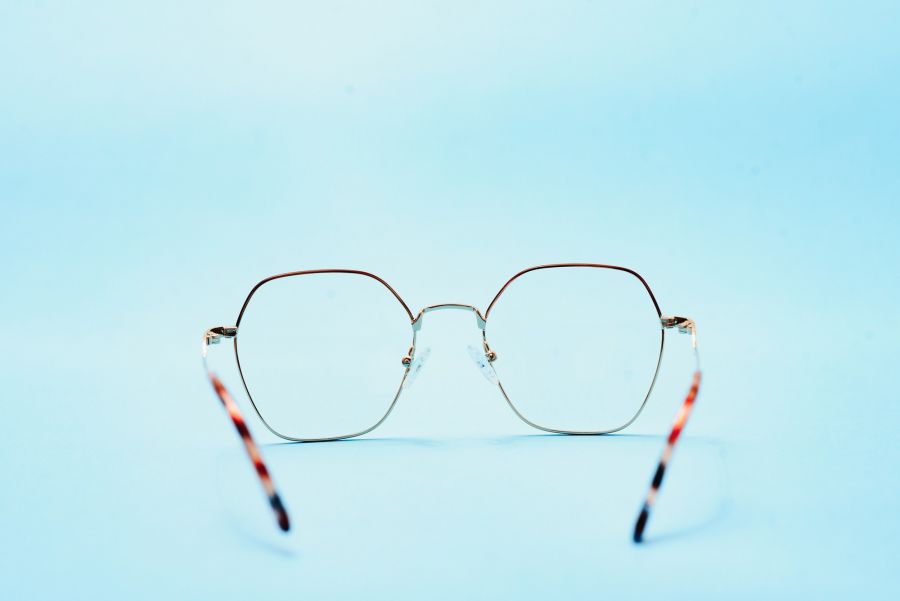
(156, 160)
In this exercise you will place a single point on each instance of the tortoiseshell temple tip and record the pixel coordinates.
(641, 523)
(281, 513)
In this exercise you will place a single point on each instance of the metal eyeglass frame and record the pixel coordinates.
(217, 334)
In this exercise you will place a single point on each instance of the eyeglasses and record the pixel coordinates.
(325, 354)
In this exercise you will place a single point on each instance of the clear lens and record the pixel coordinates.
(321, 354)
(577, 347)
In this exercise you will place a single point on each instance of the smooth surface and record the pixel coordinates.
(158, 160)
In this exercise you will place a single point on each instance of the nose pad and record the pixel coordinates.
(416, 366)
(480, 359)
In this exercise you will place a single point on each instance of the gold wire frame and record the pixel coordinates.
(662, 342)
(416, 323)
(396, 396)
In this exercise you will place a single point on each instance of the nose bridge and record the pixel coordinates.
(479, 319)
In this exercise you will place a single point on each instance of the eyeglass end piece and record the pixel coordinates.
(685, 325)
(215, 335)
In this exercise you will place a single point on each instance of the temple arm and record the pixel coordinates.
(213, 336)
(688, 326)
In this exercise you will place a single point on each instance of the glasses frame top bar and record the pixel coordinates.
(556, 265)
(314, 271)
(482, 318)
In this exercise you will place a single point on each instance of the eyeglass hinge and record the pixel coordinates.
(215, 335)
(684, 324)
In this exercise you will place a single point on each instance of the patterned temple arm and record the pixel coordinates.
(687, 326)
(214, 336)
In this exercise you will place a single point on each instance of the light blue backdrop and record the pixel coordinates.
(156, 160)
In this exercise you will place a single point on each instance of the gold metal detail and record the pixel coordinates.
(685, 325)
(215, 335)
(491, 355)
(408, 358)
(479, 319)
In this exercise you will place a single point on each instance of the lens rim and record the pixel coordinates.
(662, 342)
(314, 272)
